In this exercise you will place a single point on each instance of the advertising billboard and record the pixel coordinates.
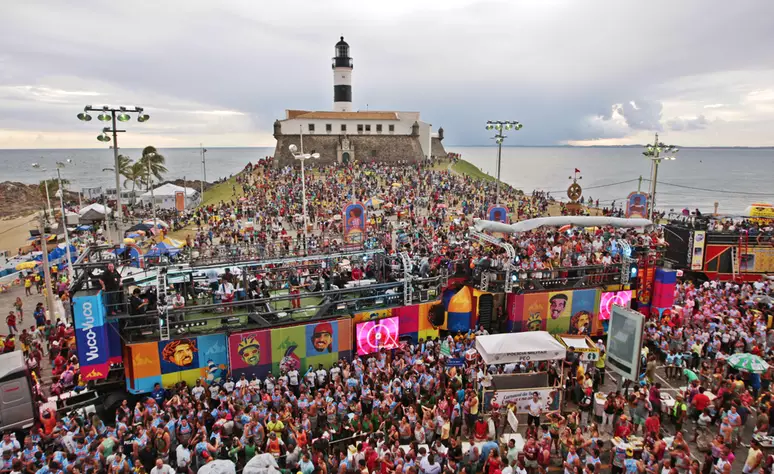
(624, 341)
(697, 254)
(610, 298)
(91, 335)
(558, 312)
(355, 218)
(373, 336)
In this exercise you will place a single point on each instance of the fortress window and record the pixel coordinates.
(343, 127)
(368, 128)
(360, 128)
(328, 127)
(311, 128)
(379, 128)
(392, 128)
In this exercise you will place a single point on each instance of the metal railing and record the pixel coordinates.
(210, 314)
(493, 280)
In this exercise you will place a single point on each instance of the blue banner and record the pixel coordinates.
(91, 336)
(455, 362)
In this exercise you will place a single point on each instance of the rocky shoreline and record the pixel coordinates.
(21, 199)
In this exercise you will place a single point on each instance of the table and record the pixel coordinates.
(359, 283)
(667, 403)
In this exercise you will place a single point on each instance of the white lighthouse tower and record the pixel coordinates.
(342, 78)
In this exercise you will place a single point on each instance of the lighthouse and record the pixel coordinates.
(342, 78)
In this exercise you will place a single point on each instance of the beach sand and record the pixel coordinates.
(15, 232)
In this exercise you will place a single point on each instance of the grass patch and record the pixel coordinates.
(222, 192)
(471, 170)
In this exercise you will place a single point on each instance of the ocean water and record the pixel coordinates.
(86, 169)
(734, 178)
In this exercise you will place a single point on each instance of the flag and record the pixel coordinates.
(577, 170)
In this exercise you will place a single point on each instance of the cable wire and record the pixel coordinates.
(599, 185)
(746, 193)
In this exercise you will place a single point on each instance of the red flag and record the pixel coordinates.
(577, 170)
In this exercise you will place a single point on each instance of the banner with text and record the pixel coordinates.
(549, 398)
(91, 336)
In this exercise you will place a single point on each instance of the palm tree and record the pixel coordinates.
(53, 186)
(154, 162)
(124, 163)
(134, 174)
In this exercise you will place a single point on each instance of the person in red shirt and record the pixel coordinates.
(624, 428)
(699, 403)
(652, 425)
(11, 321)
(481, 429)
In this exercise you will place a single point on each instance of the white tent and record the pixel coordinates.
(165, 196)
(519, 347)
(93, 212)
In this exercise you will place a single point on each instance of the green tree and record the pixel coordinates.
(134, 174)
(53, 187)
(124, 164)
(154, 162)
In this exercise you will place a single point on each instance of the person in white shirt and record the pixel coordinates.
(183, 457)
(293, 380)
(229, 385)
(198, 390)
(535, 409)
(178, 301)
(161, 468)
(322, 375)
(242, 382)
(226, 292)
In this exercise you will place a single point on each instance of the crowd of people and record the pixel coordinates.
(407, 410)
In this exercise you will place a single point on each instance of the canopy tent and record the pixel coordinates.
(519, 347)
(558, 221)
(165, 196)
(162, 249)
(173, 242)
(94, 212)
(374, 202)
(158, 223)
(142, 226)
(84, 227)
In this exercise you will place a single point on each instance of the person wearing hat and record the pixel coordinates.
(679, 412)
(624, 428)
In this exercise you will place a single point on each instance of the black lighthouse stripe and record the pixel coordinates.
(342, 93)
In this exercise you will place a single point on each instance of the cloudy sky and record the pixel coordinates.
(699, 72)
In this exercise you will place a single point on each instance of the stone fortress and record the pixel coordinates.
(342, 136)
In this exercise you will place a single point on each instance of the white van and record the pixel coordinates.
(17, 411)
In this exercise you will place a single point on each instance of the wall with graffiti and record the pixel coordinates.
(558, 312)
(413, 321)
(262, 351)
(170, 362)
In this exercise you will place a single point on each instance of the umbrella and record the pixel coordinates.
(373, 202)
(129, 240)
(389, 204)
(748, 363)
(143, 227)
(337, 217)
(396, 185)
(442, 206)
(26, 265)
(763, 299)
(84, 227)
(565, 228)
(133, 235)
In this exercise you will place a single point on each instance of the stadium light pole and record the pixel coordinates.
(113, 114)
(59, 166)
(500, 126)
(657, 152)
(104, 205)
(302, 157)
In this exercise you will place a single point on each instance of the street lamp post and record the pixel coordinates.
(302, 157)
(59, 166)
(499, 126)
(113, 114)
(657, 152)
(45, 185)
(104, 205)
(204, 174)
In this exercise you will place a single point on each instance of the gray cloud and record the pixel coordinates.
(696, 123)
(550, 64)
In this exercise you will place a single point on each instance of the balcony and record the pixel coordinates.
(548, 280)
(205, 313)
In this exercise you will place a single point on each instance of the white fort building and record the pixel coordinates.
(343, 135)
